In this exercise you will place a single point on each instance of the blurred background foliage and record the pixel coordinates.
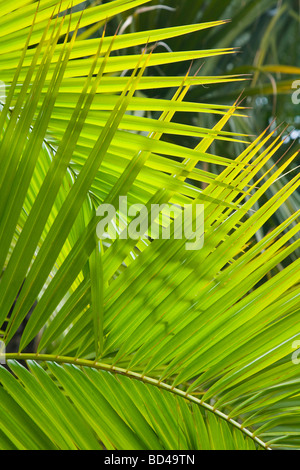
(265, 35)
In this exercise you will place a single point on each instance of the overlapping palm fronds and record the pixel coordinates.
(135, 344)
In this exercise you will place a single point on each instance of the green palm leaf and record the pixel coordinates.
(136, 344)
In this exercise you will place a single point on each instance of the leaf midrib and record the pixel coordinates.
(140, 377)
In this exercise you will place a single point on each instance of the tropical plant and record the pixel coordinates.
(263, 33)
(135, 344)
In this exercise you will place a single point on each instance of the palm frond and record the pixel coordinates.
(136, 344)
